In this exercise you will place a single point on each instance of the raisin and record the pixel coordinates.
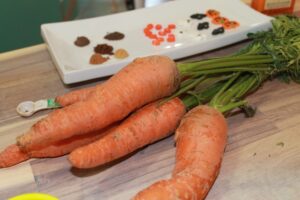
(202, 26)
(197, 16)
(217, 31)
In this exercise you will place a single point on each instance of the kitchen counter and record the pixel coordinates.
(261, 162)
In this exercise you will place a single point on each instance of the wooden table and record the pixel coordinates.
(262, 158)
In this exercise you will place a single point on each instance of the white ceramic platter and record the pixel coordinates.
(72, 62)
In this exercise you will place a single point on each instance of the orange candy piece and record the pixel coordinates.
(160, 34)
(212, 13)
(230, 25)
(158, 26)
(149, 26)
(171, 38)
(161, 39)
(219, 20)
(171, 26)
(156, 42)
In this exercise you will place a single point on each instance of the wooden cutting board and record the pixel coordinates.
(262, 159)
(261, 162)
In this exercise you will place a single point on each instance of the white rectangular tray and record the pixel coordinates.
(72, 62)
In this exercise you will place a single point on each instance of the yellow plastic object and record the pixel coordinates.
(33, 196)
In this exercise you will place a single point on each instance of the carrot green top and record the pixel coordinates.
(272, 53)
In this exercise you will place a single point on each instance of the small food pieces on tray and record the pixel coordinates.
(97, 58)
(171, 38)
(114, 36)
(218, 31)
(204, 25)
(198, 16)
(158, 34)
(219, 20)
(211, 13)
(158, 27)
(104, 49)
(171, 26)
(121, 54)
(230, 25)
(82, 41)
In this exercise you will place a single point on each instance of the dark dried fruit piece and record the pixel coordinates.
(218, 31)
(198, 16)
(204, 25)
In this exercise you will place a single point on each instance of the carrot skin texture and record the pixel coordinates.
(200, 143)
(12, 155)
(74, 96)
(145, 126)
(65, 146)
(142, 81)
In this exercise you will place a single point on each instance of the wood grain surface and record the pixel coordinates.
(262, 158)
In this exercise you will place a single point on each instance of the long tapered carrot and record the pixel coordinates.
(12, 155)
(200, 142)
(65, 146)
(75, 96)
(142, 81)
(148, 124)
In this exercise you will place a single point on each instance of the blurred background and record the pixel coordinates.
(20, 20)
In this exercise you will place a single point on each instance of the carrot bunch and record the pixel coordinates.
(124, 92)
(217, 19)
(92, 110)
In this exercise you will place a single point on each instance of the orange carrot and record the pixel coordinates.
(65, 146)
(142, 81)
(200, 142)
(12, 155)
(148, 124)
(74, 96)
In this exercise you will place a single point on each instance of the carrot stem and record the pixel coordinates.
(230, 69)
(193, 99)
(220, 61)
(215, 100)
(188, 86)
(231, 106)
(186, 69)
